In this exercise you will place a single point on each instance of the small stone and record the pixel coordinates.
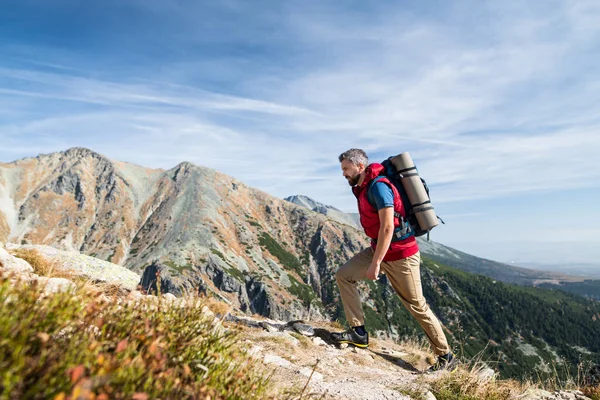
(318, 341)
(304, 329)
(316, 376)
(254, 350)
(537, 394)
(231, 318)
(343, 345)
(136, 295)
(206, 311)
(279, 361)
(487, 374)
(249, 322)
(269, 327)
(169, 297)
(567, 396)
(429, 396)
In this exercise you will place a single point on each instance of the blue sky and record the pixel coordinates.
(498, 102)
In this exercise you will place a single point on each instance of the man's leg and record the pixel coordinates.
(353, 271)
(404, 276)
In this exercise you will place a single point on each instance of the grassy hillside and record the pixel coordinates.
(589, 288)
(77, 345)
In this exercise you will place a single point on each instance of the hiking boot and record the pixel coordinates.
(444, 363)
(351, 337)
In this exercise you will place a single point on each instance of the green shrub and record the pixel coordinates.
(76, 345)
(218, 254)
(287, 259)
(301, 291)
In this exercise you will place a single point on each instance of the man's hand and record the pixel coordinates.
(373, 271)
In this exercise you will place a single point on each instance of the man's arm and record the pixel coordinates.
(384, 238)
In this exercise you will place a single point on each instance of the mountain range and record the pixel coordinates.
(193, 229)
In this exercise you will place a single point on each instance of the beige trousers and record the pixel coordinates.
(405, 278)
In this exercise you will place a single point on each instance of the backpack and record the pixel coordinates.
(409, 225)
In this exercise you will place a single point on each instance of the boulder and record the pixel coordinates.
(13, 264)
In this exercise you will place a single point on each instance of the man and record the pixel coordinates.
(399, 259)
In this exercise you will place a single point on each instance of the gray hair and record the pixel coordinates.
(355, 156)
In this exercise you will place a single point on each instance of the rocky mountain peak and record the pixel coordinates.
(82, 152)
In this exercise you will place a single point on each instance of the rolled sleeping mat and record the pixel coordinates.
(415, 191)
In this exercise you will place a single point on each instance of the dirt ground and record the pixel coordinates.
(316, 368)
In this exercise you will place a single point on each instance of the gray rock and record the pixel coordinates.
(169, 297)
(537, 394)
(279, 361)
(304, 329)
(487, 374)
(14, 264)
(316, 376)
(429, 396)
(242, 320)
(86, 266)
(270, 327)
(318, 341)
(136, 295)
(206, 311)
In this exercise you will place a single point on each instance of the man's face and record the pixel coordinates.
(352, 172)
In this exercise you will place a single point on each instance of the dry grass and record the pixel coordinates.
(280, 341)
(108, 289)
(41, 265)
(469, 383)
(217, 306)
(304, 341)
(593, 392)
(419, 353)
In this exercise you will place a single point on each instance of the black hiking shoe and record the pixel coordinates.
(444, 363)
(351, 337)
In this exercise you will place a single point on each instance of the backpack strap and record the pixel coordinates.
(404, 229)
(372, 200)
(369, 192)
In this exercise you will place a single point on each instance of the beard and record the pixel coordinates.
(353, 181)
